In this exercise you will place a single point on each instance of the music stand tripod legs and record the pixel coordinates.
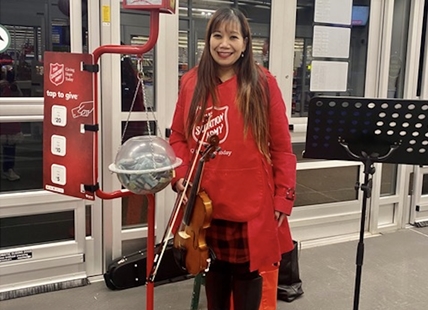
(366, 187)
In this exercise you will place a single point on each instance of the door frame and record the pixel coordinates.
(417, 209)
(110, 232)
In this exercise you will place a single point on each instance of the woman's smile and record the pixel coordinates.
(224, 54)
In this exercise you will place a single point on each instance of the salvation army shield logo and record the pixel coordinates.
(218, 124)
(56, 73)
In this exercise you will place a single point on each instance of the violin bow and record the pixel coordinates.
(178, 202)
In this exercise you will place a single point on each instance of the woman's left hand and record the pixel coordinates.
(279, 216)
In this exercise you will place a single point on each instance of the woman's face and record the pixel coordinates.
(227, 45)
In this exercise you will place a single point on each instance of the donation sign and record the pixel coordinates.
(68, 147)
(164, 6)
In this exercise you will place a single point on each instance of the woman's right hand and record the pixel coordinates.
(179, 187)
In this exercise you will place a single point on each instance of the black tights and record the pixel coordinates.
(8, 157)
(239, 271)
(223, 278)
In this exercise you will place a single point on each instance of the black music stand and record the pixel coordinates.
(368, 130)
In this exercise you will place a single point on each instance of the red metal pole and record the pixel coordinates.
(150, 250)
(137, 50)
(121, 49)
(133, 49)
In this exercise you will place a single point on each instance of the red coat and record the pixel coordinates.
(242, 184)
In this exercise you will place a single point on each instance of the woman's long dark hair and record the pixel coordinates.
(253, 92)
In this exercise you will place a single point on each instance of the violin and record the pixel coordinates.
(196, 199)
(190, 249)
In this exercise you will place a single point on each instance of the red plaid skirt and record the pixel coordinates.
(228, 240)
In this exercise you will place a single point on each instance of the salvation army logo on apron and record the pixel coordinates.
(56, 73)
(218, 124)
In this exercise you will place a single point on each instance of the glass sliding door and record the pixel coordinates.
(50, 229)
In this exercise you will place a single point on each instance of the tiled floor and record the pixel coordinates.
(394, 277)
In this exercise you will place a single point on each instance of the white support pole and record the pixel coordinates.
(76, 26)
(110, 127)
(166, 76)
(413, 48)
(281, 49)
(424, 83)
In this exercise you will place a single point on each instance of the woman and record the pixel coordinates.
(251, 180)
(10, 133)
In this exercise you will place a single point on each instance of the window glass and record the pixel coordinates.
(183, 54)
(397, 62)
(303, 55)
(298, 149)
(134, 208)
(424, 183)
(21, 156)
(134, 211)
(318, 186)
(183, 8)
(257, 12)
(423, 48)
(185, 40)
(36, 229)
(388, 179)
(137, 83)
(35, 26)
(396, 79)
(139, 128)
(88, 220)
(137, 73)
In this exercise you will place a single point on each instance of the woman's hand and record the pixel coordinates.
(179, 187)
(279, 216)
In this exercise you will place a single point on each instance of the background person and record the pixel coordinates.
(252, 179)
(10, 133)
